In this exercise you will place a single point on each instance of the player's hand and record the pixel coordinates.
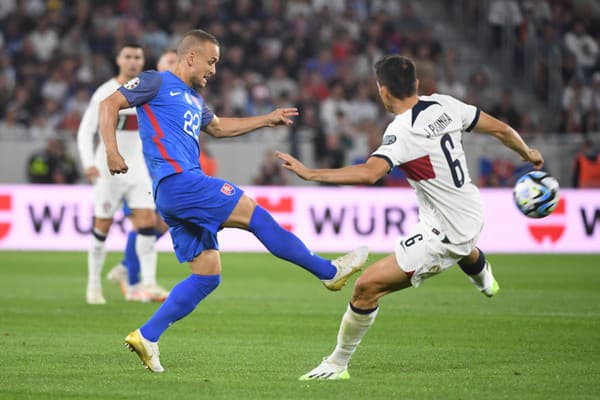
(535, 157)
(91, 174)
(293, 165)
(281, 116)
(116, 163)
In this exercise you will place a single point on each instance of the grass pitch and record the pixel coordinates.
(269, 322)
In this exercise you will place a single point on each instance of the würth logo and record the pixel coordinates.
(551, 227)
(227, 189)
(5, 205)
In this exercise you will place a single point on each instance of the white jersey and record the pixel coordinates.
(128, 138)
(425, 142)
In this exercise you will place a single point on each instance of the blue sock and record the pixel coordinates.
(131, 260)
(286, 245)
(182, 300)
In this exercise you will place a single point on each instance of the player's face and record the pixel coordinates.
(167, 62)
(204, 65)
(130, 61)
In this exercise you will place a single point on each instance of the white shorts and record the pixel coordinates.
(426, 252)
(109, 195)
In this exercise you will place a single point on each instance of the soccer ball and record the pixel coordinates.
(536, 194)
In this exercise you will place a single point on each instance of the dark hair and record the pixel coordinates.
(131, 45)
(398, 74)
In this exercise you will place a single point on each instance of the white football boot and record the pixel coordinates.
(485, 281)
(346, 265)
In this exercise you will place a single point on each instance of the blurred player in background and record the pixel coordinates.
(127, 273)
(425, 141)
(110, 191)
(194, 205)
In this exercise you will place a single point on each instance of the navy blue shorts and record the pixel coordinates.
(195, 206)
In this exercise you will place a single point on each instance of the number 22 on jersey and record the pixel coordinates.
(191, 124)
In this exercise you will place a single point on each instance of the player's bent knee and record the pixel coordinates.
(365, 291)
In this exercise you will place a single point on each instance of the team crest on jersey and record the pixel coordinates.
(227, 189)
(132, 84)
(188, 98)
(388, 139)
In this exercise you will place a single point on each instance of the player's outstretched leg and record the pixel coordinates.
(479, 272)
(183, 299)
(355, 324)
(288, 246)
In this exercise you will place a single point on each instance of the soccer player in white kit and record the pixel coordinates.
(110, 191)
(425, 141)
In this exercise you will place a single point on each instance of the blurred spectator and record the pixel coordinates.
(504, 14)
(55, 88)
(409, 22)
(44, 40)
(323, 64)
(52, 165)
(586, 173)
(478, 90)
(271, 172)
(506, 110)
(11, 127)
(576, 102)
(279, 83)
(335, 103)
(362, 108)
(583, 47)
(495, 173)
(451, 86)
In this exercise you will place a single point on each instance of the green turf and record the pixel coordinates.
(269, 323)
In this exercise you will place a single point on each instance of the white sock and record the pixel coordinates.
(146, 251)
(483, 276)
(352, 329)
(96, 257)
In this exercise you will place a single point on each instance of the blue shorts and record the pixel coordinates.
(195, 206)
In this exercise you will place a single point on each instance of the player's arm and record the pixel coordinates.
(221, 127)
(509, 137)
(109, 114)
(362, 174)
(85, 140)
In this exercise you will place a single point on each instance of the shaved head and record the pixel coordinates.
(197, 56)
(193, 39)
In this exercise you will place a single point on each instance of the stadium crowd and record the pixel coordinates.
(315, 54)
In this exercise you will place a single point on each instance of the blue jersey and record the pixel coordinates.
(170, 117)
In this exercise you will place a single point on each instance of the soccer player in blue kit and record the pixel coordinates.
(195, 206)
